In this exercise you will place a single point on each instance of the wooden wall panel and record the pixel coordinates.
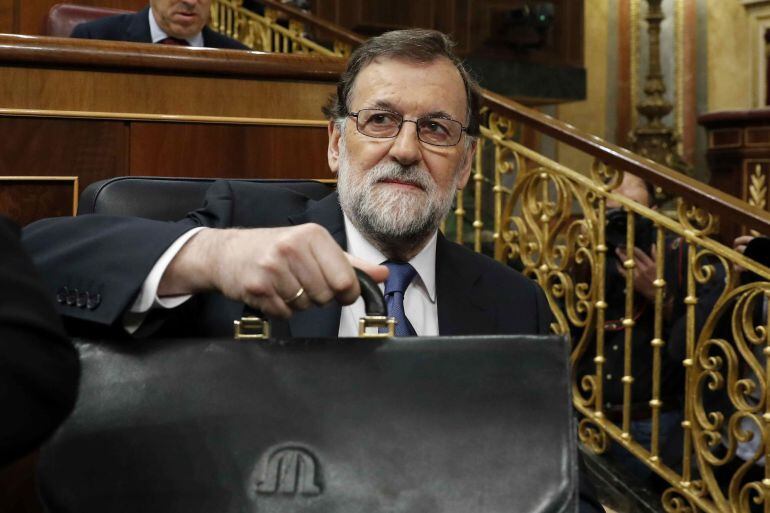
(472, 23)
(96, 149)
(346, 13)
(25, 202)
(138, 93)
(89, 149)
(7, 13)
(738, 157)
(201, 150)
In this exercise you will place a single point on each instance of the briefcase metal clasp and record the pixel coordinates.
(251, 328)
(376, 311)
(376, 321)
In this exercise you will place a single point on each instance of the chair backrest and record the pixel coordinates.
(62, 18)
(167, 199)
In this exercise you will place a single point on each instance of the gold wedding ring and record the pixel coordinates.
(295, 296)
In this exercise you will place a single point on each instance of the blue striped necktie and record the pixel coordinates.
(400, 276)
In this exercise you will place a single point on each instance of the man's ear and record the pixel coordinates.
(466, 165)
(333, 152)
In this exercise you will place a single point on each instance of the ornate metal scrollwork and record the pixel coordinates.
(593, 436)
(674, 501)
(697, 220)
(546, 238)
(552, 225)
(753, 492)
(730, 359)
(607, 177)
(501, 126)
(541, 231)
(586, 392)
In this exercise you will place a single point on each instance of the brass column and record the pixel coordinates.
(652, 138)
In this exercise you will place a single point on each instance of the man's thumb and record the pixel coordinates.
(377, 272)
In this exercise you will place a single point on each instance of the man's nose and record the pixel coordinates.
(406, 149)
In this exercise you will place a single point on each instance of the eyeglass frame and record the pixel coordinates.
(463, 128)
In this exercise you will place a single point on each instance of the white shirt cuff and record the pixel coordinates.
(148, 295)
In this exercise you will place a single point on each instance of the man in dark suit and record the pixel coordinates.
(178, 22)
(402, 135)
(401, 139)
(38, 365)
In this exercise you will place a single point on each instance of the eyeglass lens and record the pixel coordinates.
(430, 130)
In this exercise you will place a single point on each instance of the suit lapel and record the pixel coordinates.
(208, 36)
(325, 321)
(462, 305)
(138, 30)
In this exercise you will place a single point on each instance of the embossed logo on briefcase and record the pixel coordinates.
(290, 470)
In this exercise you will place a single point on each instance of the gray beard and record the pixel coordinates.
(398, 222)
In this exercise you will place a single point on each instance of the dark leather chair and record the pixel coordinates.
(149, 196)
(62, 18)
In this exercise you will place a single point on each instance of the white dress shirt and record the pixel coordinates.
(148, 298)
(158, 35)
(419, 299)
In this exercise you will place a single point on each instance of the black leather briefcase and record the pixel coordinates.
(418, 425)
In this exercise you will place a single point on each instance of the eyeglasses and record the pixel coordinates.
(384, 124)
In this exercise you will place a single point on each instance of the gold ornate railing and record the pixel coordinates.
(549, 221)
(281, 29)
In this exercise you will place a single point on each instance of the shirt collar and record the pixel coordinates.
(423, 262)
(158, 34)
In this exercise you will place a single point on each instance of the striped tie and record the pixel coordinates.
(401, 275)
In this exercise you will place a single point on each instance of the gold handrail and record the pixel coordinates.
(621, 158)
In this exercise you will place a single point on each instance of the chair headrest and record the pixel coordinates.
(62, 18)
(148, 196)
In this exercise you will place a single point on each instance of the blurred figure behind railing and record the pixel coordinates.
(644, 256)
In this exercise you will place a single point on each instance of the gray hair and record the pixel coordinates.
(417, 45)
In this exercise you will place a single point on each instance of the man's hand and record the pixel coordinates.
(266, 267)
(739, 245)
(644, 272)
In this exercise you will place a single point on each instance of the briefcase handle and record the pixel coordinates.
(251, 326)
(375, 308)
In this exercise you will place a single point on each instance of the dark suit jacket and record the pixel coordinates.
(39, 368)
(109, 258)
(136, 28)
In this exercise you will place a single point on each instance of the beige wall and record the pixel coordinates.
(589, 115)
(730, 81)
(729, 62)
